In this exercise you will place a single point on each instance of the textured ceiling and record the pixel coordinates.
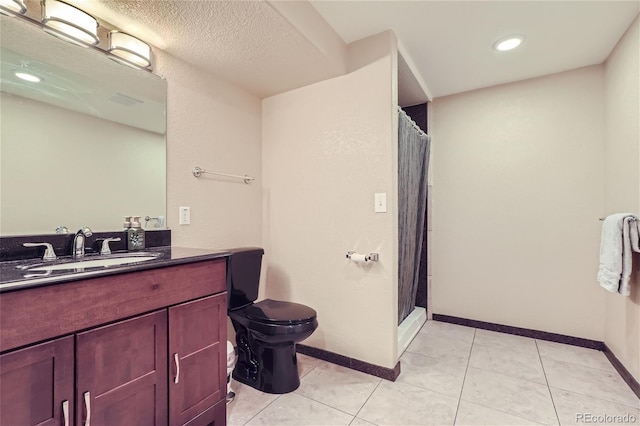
(246, 42)
(448, 43)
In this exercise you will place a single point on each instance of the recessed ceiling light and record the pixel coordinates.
(508, 43)
(27, 77)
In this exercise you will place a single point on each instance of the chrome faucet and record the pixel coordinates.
(105, 245)
(78, 242)
(49, 253)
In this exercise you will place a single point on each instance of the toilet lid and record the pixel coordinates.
(278, 312)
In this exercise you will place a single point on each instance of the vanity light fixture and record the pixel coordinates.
(508, 43)
(69, 23)
(27, 77)
(75, 26)
(129, 50)
(12, 7)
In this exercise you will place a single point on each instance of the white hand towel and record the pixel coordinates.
(619, 236)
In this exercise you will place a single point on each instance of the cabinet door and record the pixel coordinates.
(122, 373)
(197, 351)
(36, 384)
(214, 416)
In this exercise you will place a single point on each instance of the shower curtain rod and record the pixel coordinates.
(415, 126)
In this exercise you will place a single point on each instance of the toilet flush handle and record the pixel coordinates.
(176, 359)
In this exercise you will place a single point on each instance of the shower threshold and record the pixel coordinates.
(408, 328)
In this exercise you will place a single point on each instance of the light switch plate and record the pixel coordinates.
(185, 215)
(380, 202)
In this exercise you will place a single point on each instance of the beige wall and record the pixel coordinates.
(518, 189)
(327, 148)
(217, 126)
(622, 190)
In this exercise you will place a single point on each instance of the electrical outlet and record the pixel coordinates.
(185, 215)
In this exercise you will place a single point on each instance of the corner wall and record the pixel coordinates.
(622, 190)
(327, 148)
(517, 196)
(217, 126)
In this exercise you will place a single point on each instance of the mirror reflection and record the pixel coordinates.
(82, 138)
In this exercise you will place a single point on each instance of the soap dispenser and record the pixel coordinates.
(135, 235)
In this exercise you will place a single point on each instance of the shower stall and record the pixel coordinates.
(413, 162)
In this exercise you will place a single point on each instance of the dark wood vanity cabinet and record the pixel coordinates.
(198, 349)
(36, 384)
(121, 373)
(159, 358)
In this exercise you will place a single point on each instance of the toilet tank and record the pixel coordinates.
(243, 276)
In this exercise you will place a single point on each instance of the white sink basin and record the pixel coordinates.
(92, 263)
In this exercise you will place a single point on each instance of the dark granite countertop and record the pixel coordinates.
(13, 275)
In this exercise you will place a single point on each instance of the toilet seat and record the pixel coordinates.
(277, 312)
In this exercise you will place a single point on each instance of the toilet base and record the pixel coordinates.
(267, 368)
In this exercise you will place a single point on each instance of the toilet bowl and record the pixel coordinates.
(266, 331)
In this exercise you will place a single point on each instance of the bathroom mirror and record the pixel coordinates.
(85, 145)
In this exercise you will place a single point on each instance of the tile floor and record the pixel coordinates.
(453, 375)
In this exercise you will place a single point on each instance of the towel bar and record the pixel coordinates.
(198, 171)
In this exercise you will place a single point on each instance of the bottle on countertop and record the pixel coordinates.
(135, 234)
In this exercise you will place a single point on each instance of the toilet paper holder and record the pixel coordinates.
(371, 257)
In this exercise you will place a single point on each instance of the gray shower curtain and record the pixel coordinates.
(413, 162)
